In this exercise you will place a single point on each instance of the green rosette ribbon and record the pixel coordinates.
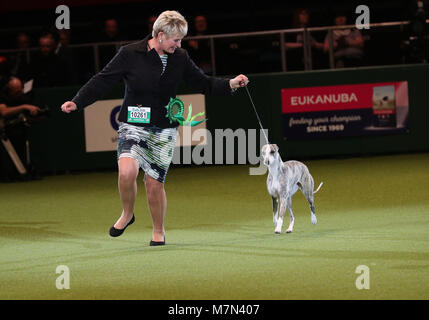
(175, 110)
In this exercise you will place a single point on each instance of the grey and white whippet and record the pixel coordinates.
(284, 179)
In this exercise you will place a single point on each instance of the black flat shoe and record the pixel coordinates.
(117, 232)
(157, 243)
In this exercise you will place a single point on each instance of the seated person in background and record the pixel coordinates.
(64, 37)
(200, 49)
(150, 21)
(301, 19)
(19, 64)
(348, 44)
(110, 33)
(14, 102)
(4, 70)
(64, 52)
(23, 41)
(47, 69)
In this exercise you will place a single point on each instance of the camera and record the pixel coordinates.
(28, 119)
(15, 142)
(24, 118)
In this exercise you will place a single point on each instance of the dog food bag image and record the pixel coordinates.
(384, 106)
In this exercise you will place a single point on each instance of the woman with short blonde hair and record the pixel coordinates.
(152, 70)
(171, 23)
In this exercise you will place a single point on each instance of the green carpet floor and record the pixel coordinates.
(220, 236)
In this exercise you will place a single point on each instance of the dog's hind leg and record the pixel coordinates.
(307, 188)
(275, 210)
(313, 215)
(292, 218)
(281, 212)
(310, 200)
(308, 194)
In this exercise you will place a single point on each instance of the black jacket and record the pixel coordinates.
(145, 85)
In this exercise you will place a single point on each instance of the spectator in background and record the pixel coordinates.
(19, 65)
(347, 44)
(301, 19)
(200, 49)
(4, 71)
(111, 33)
(415, 42)
(14, 102)
(295, 54)
(64, 37)
(4, 68)
(150, 21)
(47, 69)
(65, 53)
(23, 41)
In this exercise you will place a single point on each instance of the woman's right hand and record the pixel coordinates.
(68, 107)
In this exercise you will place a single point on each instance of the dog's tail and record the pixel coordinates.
(318, 188)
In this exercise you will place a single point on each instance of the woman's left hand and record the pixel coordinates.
(238, 82)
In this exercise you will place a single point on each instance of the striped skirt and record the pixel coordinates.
(151, 147)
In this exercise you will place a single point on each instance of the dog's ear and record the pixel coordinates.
(276, 147)
(265, 146)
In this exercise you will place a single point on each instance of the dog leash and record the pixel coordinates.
(257, 115)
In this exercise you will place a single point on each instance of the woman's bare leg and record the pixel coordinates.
(157, 201)
(127, 184)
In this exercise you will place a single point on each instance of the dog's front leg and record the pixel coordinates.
(281, 214)
(292, 218)
(275, 210)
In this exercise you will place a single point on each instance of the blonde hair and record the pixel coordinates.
(171, 23)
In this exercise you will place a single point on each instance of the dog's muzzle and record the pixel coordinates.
(266, 161)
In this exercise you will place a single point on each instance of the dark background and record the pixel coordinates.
(223, 16)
